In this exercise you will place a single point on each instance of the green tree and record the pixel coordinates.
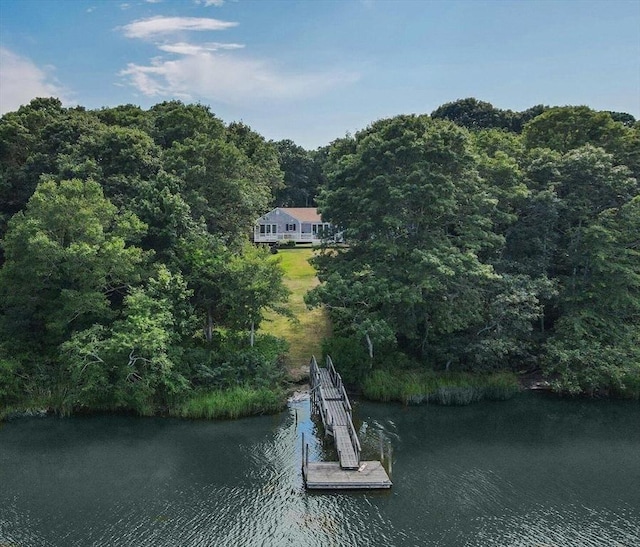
(300, 176)
(589, 182)
(216, 182)
(416, 216)
(622, 117)
(30, 140)
(474, 114)
(126, 115)
(69, 259)
(231, 289)
(263, 161)
(132, 364)
(568, 127)
(596, 344)
(173, 121)
(252, 284)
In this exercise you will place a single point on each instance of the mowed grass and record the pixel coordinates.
(306, 333)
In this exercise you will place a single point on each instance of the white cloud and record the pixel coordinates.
(203, 72)
(215, 77)
(21, 80)
(207, 3)
(155, 26)
(182, 48)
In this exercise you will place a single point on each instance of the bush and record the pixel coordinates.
(628, 386)
(10, 385)
(232, 362)
(349, 357)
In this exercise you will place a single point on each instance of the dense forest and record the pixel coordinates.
(128, 281)
(476, 240)
(481, 239)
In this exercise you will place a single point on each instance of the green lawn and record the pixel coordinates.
(306, 334)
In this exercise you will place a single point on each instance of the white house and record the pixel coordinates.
(299, 224)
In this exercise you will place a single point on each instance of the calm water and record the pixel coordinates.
(532, 471)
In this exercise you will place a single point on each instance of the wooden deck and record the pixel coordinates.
(329, 399)
(330, 476)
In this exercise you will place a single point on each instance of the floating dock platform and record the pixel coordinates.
(330, 476)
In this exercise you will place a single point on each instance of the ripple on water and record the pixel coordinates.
(197, 484)
(559, 526)
(17, 528)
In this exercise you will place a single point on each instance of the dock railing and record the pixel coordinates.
(317, 396)
(320, 402)
(354, 438)
(335, 377)
(337, 380)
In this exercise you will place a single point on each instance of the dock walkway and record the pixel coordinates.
(329, 399)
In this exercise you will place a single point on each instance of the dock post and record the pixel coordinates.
(390, 460)
(381, 448)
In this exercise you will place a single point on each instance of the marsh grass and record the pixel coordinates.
(232, 403)
(306, 332)
(415, 387)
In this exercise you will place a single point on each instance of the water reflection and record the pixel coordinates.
(526, 472)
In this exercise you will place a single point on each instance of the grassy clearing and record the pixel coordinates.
(311, 326)
(415, 387)
(232, 403)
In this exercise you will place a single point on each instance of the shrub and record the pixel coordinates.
(233, 363)
(10, 388)
(350, 358)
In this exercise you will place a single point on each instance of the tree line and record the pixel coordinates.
(485, 240)
(128, 280)
(477, 239)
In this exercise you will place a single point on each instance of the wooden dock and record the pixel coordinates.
(330, 476)
(329, 400)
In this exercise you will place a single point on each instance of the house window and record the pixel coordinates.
(290, 227)
(320, 229)
(266, 229)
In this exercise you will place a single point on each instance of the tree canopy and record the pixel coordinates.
(125, 250)
(475, 239)
(474, 247)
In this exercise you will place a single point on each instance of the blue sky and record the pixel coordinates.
(312, 71)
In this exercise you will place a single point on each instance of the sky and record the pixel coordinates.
(314, 70)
